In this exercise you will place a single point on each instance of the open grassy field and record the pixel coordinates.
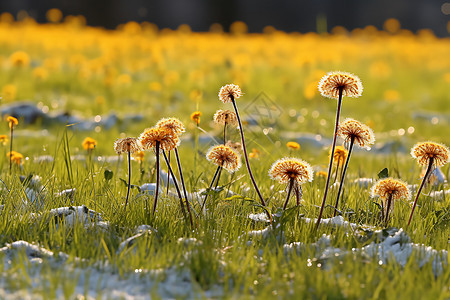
(110, 84)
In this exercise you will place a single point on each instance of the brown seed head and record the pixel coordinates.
(352, 129)
(229, 92)
(333, 82)
(172, 124)
(167, 140)
(288, 168)
(129, 144)
(423, 152)
(395, 188)
(225, 157)
(340, 155)
(223, 117)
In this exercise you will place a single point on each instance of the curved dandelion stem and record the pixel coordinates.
(427, 174)
(210, 186)
(290, 186)
(388, 207)
(129, 179)
(341, 184)
(338, 112)
(247, 164)
(188, 205)
(157, 178)
(174, 182)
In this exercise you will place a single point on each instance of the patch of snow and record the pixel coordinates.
(262, 217)
(337, 221)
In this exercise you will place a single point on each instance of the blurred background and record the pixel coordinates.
(286, 15)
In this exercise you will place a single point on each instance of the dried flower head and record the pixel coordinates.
(130, 144)
(333, 82)
(89, 143)
(172, 124)
(351, 129)
(12, 121)
(389, 187)
(288, 168)
(229, 92)
(236, 146)
(223, 117)
(3, 139)
(423, 152)
(225, 157)
(340, 155)
(195, 116)
(15, 157)
(167, 140)
(293, 145)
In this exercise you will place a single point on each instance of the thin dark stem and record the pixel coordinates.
(188, 205)
(244, 149)
(341, 184)
(427, 174)
(333, 146)
(168, 174)
(129, 179)
(298, 194)
(157, 178)
(210, 186)
(388, 207)
(174, 182)
(291, 185)
(10, 151)
(218, 178)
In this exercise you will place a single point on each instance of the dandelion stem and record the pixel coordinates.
(10, 151)
(129, 179)
(338, 112)
(225, 133)
(188, 205)
(290, 186)
(157, 178)
(218, 177)
(298, 194)
(168, 174)
(174, 182)
(427, 174)
(210, 186)
(388, 207)
(341, 184)
(244, 149)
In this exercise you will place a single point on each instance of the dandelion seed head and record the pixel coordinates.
(394, 188)
(229, 92)
(361, 133)
(129, 144)
(423, 152)
(173, 124)
(223, 117)
(289, 168)
(167, 140)
(331, 83)
(225, 157)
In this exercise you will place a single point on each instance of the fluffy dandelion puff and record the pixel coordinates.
(167, 140)
(389, 187)
(129, 144)
(223, 117)
(172, 124)
(331, 83)
(229, 92)
(361, 134)
(286, 169)
(225, 157)
(423, 152)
